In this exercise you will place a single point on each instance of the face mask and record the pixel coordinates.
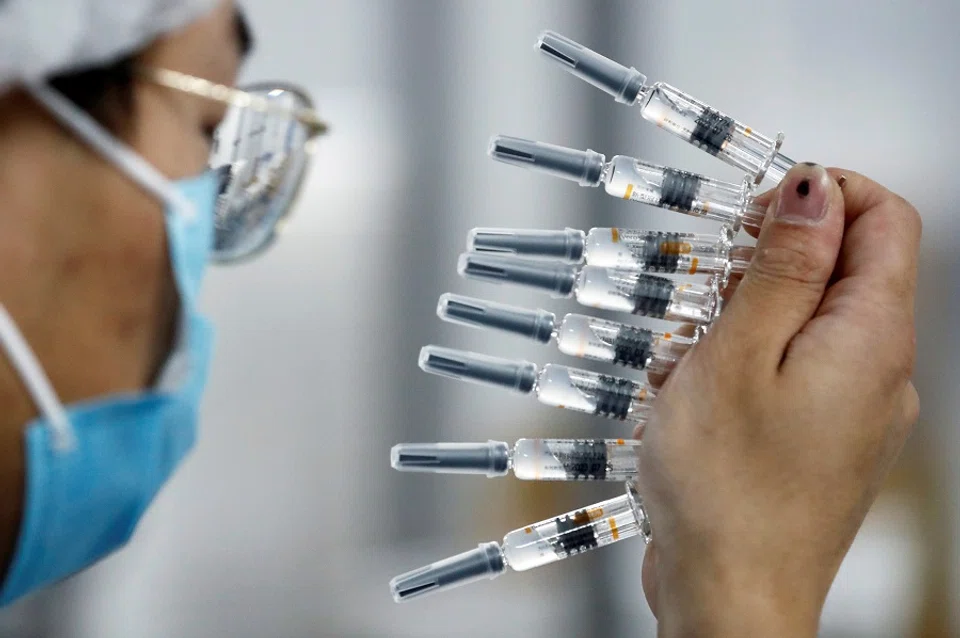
(93, 468)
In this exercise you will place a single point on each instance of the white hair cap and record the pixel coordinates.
(42, 38)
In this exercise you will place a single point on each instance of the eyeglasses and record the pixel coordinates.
(262, 151)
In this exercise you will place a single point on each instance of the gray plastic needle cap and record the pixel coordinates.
(520, 376)
(485, 562)
(583, 167)
(491, 458)
(532, 324)
(611, 77)
(567, 244)
(557, 279)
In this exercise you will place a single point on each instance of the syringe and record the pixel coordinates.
(557, 386)
(673, 110)
(577, 335)
(529, 459)
(635, 249)
(636, 180)
(622, 290)
(527, 547)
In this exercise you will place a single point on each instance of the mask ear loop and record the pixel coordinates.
(39, 386)
(120, 155)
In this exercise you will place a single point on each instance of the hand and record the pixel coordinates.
(771, 439)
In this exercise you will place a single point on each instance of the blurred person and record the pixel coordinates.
(755, 482)
(110, 117)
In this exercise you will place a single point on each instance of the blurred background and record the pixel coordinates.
(287, 520)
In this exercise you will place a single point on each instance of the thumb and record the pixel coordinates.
(795, 258)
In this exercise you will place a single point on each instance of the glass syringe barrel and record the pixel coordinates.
(673, 110)
(532, 546)
(528, 459)
(612, 289)
(557, 386)
(636, 180)
(646, 250)
(577, 335)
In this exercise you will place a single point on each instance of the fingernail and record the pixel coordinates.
(804, 194)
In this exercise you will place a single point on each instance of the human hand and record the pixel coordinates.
(771, 439)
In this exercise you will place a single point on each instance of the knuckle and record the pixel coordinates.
(909, 218)
(913, 219)
(911, 405)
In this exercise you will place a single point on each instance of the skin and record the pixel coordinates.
(84, 270)
(772, 438)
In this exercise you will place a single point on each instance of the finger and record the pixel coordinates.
(873, 297)
(795, 257)
(859, 192)
(649, 577)
(881, 245)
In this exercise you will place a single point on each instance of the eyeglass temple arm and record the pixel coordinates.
(234, 97)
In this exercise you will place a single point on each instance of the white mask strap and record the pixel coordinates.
(38, 385)
(124, 158)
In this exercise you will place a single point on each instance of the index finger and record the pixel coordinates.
(881, 243)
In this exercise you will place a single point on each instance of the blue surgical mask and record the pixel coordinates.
(92, 468)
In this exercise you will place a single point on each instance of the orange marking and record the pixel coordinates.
(595, 513)
(705, 207)
(629, 192)
(667, 336)
(642, 395)
(620, 441)
(676, 248)
(613, 528)
(747, 131)
(528, 530)
(693, 266)
(614, 232)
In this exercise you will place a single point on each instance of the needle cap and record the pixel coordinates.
(583, 167)
(611, 77)
(520, 376)
(485, 562)
(532, 324)
(557, 279)
(567, 244)
(491, 458)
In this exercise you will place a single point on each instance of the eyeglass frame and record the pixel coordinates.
(243, 98)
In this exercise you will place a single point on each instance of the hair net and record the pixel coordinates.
(41, 38)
